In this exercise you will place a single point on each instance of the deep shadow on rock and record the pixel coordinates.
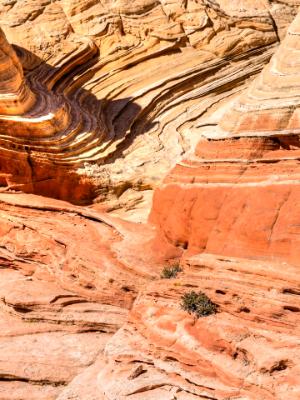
(66, 128)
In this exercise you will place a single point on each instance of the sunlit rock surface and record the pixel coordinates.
(103, 104)
(69, 276)
(119, 89)
(237, 194)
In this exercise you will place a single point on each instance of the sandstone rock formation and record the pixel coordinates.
(113, 128)
(102, 103)
(232, 207)
(16, 97)
(243, 170)
(65, 290)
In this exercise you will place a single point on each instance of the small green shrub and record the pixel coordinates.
(198, 304)
(170, 272)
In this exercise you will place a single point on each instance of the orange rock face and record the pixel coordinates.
(92, 117)
(233, 206)
(238, 194)
(248, 350)
(66, 288)
(16, 97)
(102, 106)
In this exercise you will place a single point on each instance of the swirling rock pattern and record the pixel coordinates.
(98, 102)
(100, 122)
(248, 350)
(66, 288)
(16, 97)
(243, 170)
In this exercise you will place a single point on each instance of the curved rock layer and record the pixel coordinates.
(118, 93)
(248, 350)
(232, 209)
(85, 315)
(68, 278)
(272, 102)
(98, 121)
(16, 97)
(238, 194)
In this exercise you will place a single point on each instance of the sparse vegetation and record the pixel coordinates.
(198, 304)
(170, 272)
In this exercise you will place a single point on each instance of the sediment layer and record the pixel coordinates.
(115, 100)
(99, 119)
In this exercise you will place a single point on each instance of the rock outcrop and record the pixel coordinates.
(237, 194)
(70, 329)
(102, 103)
(67, 283)
(99, 121)
(248, 350)
(16, 97)
(232, 209)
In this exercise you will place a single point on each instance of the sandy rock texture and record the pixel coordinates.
(136, 136)
(85, 315)
(248, 350)
(237, 194)
(67, 284)
(115, 91)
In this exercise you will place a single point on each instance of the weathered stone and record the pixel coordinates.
(103, 104)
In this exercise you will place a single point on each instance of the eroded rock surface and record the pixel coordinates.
(85, 315)
(99, 121)
(68, 278)
(237, 194)
(102, 103)
(248, 350)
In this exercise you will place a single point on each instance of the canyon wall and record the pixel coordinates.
(237, 194)
(99, 120)
(104, 105)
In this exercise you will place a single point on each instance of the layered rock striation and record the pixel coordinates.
(231, 207)
(83, 304)
(68, 279)
(100, 122)
(101, 101)
(16, 97)
(248, 350)
(237, 194)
